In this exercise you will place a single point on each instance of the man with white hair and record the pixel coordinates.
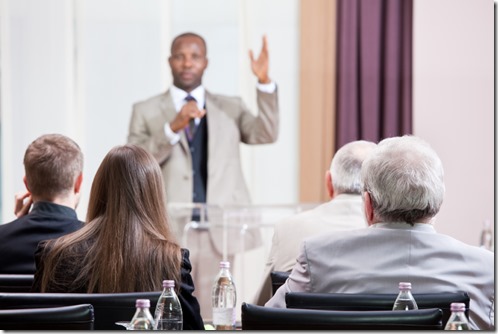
(343, 212)
(403, 192)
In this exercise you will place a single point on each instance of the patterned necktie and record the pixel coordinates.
(190, 130)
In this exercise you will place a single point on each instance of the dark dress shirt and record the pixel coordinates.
(19, 238)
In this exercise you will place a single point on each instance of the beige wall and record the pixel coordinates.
(317, 96)
(453, 106)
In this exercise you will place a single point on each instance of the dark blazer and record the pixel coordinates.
(192, 319)
(190, 306)
(19, 238)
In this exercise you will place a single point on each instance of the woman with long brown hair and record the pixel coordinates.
(127, 244)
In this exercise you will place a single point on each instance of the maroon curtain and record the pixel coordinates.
(374, 69)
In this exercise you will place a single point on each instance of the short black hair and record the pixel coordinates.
(188, 34)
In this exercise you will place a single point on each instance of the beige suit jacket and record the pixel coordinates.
(229, 123)
(344, 212)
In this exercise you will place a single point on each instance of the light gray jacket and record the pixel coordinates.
(343, 212)
(376, 259)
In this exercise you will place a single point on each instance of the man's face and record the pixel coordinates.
(188, 62)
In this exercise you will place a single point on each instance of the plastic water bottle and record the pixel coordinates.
(457, 321)
(224, 299)
(405, 300)
(168, 315)
(142, 320)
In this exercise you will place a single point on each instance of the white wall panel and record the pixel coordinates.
(76, 67)
(37, 95)
(121, 60)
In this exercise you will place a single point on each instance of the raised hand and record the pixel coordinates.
(188, 111)
(260, 66)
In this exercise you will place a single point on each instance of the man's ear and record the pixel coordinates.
(25, 182)
(77, 184)
(328, 183)
(369, 214)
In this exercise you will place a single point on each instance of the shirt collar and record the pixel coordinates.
(424, 227)
(179, 96)
(52, 208)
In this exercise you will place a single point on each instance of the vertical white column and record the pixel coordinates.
(247, 88)
(121, 60)
(166, 12)
(37, 82)
(6, 129)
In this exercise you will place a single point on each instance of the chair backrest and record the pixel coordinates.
(74, 317)
(371, 302)
(277, 279)
(16, 283)
(255, 317)
(108, 307)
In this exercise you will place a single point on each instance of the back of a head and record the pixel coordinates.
(52, 164)
(404, 177)
(128, 183)
(345, 167)
(128, 224)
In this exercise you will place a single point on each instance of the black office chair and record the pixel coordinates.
(74, 317)
(255, 317)
(16, 282)
(372, 302)
(108, 307)
(278, 278)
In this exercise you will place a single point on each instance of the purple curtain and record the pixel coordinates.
(374, 69)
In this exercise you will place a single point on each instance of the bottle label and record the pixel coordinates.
(223, 316)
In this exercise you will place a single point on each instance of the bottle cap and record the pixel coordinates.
(457, 307)
(224, 264)
(405, 285)
(142, 303)
(168, 283)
